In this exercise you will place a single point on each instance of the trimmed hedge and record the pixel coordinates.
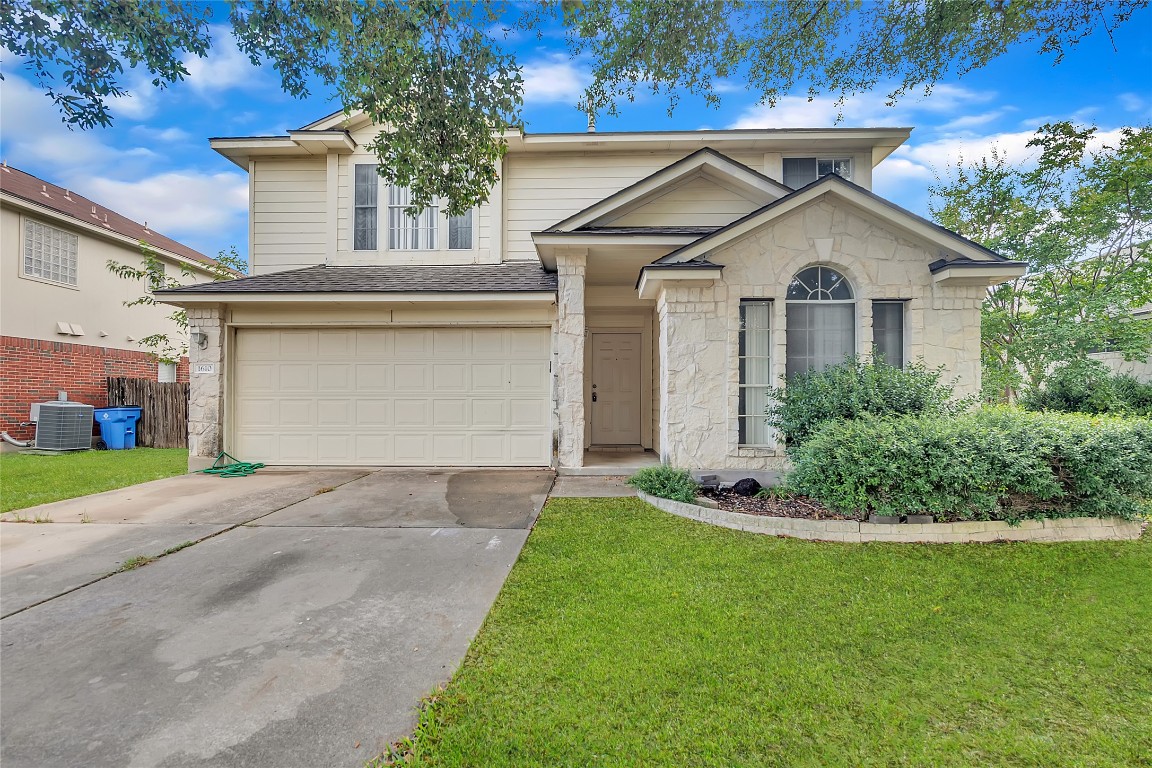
(666, 482)
(995, 464)
(854, 389)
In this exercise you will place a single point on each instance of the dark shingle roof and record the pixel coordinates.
(516, 276)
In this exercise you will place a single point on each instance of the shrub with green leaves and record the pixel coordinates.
(994, 464)
(1089, 386)
(666, 482)
(854, 389)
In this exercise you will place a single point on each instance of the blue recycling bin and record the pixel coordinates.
(118, 426)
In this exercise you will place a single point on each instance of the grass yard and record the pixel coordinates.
(628, 637)
(27, 480)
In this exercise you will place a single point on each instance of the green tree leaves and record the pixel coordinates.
(1083, 222)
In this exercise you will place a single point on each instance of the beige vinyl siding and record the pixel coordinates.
(289, 223)
(698, 202)
(543, 189)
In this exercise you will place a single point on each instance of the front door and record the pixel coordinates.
(615, 389)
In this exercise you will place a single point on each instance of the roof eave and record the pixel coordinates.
(187, 298)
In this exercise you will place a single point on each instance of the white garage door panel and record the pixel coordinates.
(408, 396)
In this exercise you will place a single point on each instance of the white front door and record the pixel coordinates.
(615, 393)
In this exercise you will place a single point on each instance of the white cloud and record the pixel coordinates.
(168, 135)
(974, 121)
(224, 68)
(1132, 102)
(868, 109)
(554, 79)
(176, 203)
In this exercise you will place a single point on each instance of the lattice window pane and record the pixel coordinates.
(49, 253)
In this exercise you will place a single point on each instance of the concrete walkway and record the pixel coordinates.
(316, 609)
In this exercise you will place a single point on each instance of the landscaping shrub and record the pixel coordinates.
(1088, 386)
(665, 482)
(854, 389)
(1001, 464)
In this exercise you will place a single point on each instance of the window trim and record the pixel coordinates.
(854, 345)
(740, 385)
(383, 229)
(24, 274)
(903, 327)
(850, 158)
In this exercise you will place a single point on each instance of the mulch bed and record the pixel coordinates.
(793, 506)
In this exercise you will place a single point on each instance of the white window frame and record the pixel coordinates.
(743, 386)
(65, 237)
(440, 234)
(166, 372)
(854, 343)
(818, 158)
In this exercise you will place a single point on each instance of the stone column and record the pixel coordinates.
(206, 388)
(570, 270)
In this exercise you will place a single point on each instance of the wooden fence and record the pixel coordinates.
(163, 410)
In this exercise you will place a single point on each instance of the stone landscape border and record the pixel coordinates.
(853, 531)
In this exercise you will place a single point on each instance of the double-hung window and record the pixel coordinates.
(427, 230)
(888, 332)
(405, 231)
(802, 171)
(367, 215)
(49, 253)
(755, 370)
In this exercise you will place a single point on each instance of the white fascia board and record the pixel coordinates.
(239, 149)
(191, 298)
(990, 275)
(94, 230)
(651, 280)
(908, 223)
(770, 139)
(324, 142)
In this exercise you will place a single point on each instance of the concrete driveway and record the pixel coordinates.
(300, 627)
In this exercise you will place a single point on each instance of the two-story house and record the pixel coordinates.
(622, 291)
(62, 311)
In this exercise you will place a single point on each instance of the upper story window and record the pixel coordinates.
(428, 230)
(49, 253)
(821, 317)
(801, 171)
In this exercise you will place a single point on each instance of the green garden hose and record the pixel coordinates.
(236, 469)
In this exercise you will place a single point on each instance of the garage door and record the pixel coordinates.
(398, 396)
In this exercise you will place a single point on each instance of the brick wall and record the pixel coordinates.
(33, 371)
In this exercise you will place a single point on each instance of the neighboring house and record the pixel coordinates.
(619, 290)
(1141, 369)
(62, 313)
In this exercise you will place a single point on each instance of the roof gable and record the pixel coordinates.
(733, 187)
(954, 246)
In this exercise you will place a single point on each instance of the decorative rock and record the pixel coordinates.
(747, 487)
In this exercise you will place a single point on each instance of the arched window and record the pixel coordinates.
(821, 314)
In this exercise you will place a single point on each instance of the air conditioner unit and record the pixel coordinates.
(64, 426)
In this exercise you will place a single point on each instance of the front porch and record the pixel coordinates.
(612, 463)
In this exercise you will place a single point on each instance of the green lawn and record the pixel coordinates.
(625, 636)
(27, 480)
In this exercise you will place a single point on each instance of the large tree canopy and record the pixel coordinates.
(1082, 220)
(445, 84)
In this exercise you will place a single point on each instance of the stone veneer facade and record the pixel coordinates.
(570, 332)
(206, 390)
(699, 324)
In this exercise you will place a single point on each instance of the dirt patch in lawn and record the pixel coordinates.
(776, 506)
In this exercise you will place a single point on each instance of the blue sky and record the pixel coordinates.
(155, 165)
